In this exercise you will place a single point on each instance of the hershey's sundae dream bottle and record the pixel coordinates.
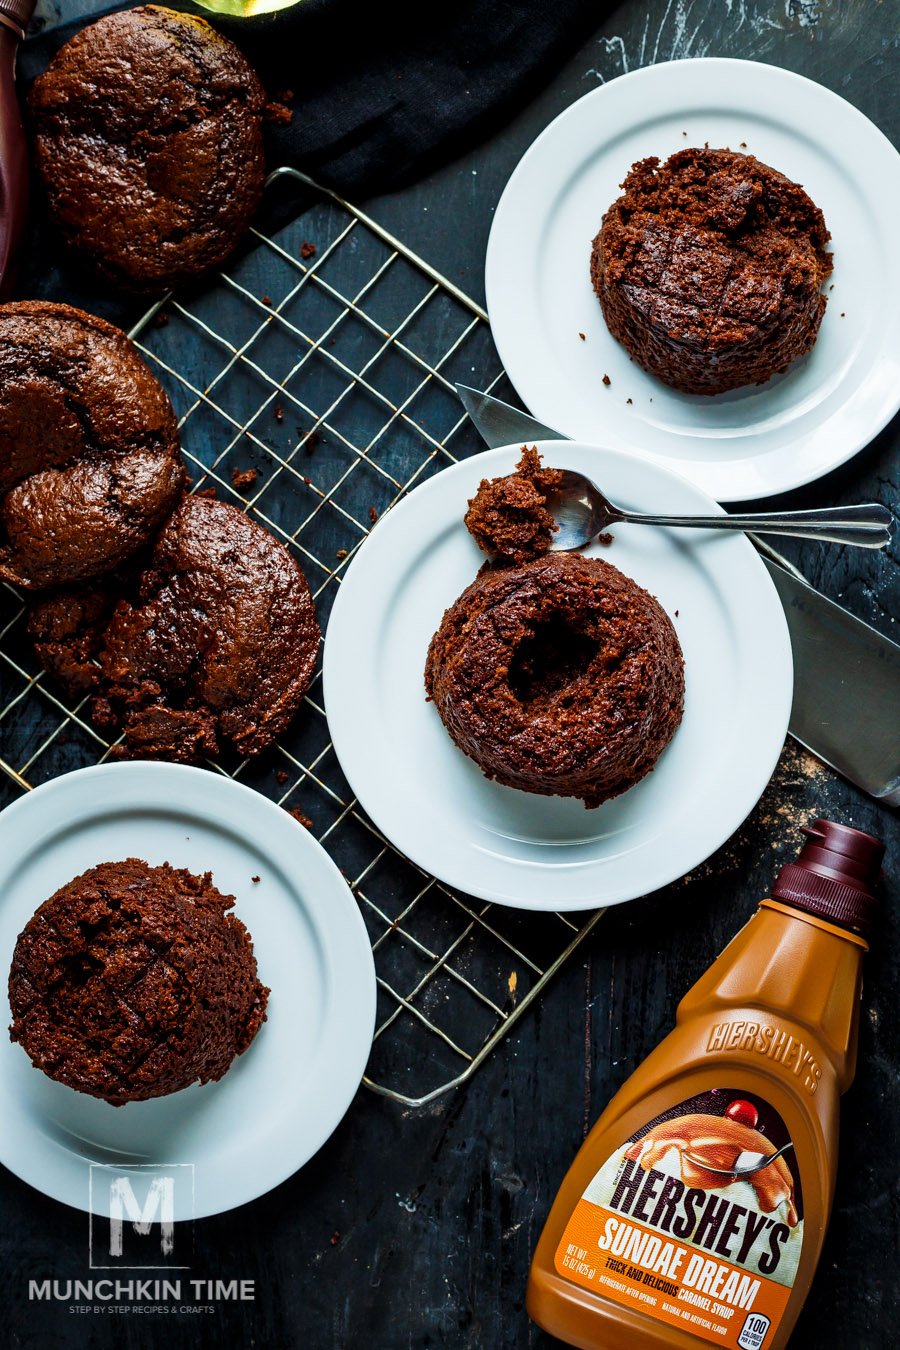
(695, 1212)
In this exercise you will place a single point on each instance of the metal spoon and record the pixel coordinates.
(581, 511)
(748, 1168)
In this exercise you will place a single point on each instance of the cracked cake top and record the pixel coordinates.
(148, 136)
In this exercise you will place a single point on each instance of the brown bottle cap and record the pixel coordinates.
(16, 14)
(835, 876)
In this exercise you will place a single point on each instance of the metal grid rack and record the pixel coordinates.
(325, 359)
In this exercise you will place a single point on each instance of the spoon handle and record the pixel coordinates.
(866, 526)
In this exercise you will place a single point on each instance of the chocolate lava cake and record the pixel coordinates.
(89, 458)
(219, 643)
(561, 676)
(709, 269)
(134, 981)
(148, 136)
(510, 517)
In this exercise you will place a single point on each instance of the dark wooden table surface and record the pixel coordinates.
(414, 1228)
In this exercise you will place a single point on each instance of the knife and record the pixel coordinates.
(846, 674)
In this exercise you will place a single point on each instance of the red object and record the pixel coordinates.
(14, 15)
(745, 1113)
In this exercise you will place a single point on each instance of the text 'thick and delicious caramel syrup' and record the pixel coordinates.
(695, 1212)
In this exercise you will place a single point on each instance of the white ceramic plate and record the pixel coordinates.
(751, 442)
(549, 852)
(284, 1096)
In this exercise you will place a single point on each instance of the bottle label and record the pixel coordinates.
(667, 1227)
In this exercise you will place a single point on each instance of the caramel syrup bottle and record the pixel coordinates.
(695, 1211)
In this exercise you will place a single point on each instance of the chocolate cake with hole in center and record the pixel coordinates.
(561, 676)
(709, 269)
(134, 981)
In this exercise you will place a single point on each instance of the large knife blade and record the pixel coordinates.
(846, 687)
(499, 423)
(846, 704)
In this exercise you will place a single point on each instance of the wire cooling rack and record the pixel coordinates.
(314, 384)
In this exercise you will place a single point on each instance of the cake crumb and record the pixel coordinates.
(266, 300)
(312, 441)
(335, 1238)
(255, 880)
(243, 478)
(341, 553)
(281, 776)
(743, 145)
(604, 538)
(512, 984)
(607, 381)
(278, 113)
(278, 413)
(676, 613)
(581, 335)
(307, 250)
(208, 492)
(299, 816)
(629, 401)
(373, 514)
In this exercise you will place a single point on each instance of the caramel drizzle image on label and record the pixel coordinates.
(720, 1143)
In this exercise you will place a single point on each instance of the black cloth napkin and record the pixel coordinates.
(379, 99)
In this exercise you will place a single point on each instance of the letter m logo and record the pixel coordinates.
(133, 1213)
(160, 1199)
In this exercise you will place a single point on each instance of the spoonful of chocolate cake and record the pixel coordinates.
(538, 509)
